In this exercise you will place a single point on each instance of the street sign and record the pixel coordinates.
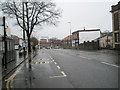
(23, 44)
(1, 26)
(1, 21)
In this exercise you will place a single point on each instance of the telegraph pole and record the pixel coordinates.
(5, 44)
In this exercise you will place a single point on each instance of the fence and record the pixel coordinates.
(94, 45)
(10, 54)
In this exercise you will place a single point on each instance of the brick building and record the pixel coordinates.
(75, 39)
(66, 42)
(116, 25)
(44, 44)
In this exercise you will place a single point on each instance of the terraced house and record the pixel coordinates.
(116, 25)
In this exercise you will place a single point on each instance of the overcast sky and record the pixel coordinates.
(92, 14)
(81, 13)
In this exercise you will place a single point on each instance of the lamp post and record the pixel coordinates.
(70, 34)
(5, 44)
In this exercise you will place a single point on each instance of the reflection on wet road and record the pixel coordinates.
(65, 69)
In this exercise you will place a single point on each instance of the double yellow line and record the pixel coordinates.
(9, 81)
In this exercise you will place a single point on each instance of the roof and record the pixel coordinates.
(109, 34)
(86, 30)
(115, 7)
(68, 37)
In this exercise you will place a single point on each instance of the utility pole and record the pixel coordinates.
(5, 44)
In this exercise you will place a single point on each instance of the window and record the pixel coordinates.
(116, 21)
(117, 37)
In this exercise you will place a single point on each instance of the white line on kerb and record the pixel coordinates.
(109, 64)
(58, 67)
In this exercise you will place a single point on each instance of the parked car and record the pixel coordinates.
(47, 47)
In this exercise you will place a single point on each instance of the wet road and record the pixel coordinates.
(62, 68)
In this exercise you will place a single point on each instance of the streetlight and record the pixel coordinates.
(70, 34)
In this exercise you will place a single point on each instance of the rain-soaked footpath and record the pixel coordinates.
(64, 68)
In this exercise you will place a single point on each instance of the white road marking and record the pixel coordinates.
(47, 62)
(50, 56)
(57, 76)
(55, 62)
(110, 64)
(58, 67)
(63, 73)
(85, 57)
(40, 62)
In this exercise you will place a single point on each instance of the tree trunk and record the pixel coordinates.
(29, 46)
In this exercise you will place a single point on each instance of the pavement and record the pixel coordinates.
(12, 66)
(0, 69)
(64, 68)
(109, 51)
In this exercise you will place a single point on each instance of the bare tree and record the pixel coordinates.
(30, 14)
